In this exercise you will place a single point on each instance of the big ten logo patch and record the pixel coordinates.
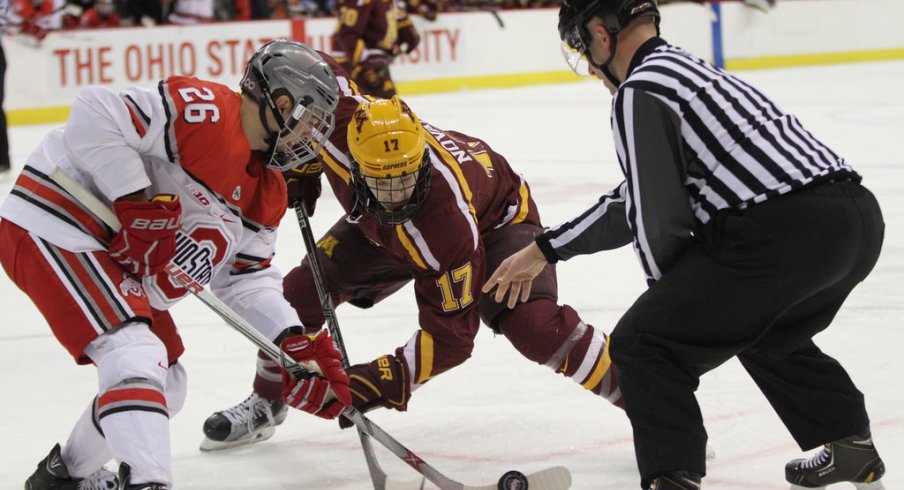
(385, 367)
(198, 252)
(328, 245)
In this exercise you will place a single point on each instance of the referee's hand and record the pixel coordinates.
(516, 274)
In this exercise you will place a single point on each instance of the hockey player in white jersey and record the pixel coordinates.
(192, 171)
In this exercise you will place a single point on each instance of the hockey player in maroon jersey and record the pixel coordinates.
(192, 171)
(438, 208)
(368, 35)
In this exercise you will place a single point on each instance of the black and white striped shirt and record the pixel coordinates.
(691, 140)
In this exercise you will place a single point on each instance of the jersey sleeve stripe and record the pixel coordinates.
(448, 167)
(412, 251)
(338, 169)
(426, 357)
(40, 191)
(602, 367)
(140, 120)
(169, 135)
(524, 205)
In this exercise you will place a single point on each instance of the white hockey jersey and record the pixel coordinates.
(183, 138)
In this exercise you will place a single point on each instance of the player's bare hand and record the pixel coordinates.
(515, 275)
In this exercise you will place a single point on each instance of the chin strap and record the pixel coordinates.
(604, 67)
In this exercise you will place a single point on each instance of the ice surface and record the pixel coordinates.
(499, 411)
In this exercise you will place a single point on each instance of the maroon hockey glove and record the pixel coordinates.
(324, 396)
(408, 38)
(382, 382)
(147, 239)
(303, 185)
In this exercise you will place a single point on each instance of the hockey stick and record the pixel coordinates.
(492, 10)
(99, 209)
(377, 475)
(555, 478)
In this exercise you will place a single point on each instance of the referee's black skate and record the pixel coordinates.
(852, 459)
(678, 480)
(125, 474)
(253, 420)
(52, 474)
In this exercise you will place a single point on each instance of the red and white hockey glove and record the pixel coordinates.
(147, 240)
(326, 395)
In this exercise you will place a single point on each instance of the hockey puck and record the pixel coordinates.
(512, 480)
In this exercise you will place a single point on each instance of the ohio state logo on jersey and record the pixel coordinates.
(198, 252)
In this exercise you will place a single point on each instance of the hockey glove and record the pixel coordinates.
(326, 395)
(147, 239)
(382, 382)
(408, 38)
(303, 185)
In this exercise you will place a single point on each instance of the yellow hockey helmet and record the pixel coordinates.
(390, 163)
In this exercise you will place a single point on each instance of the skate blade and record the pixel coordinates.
(876, 485)
(262, 435)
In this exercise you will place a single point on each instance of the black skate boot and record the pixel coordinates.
(678, 480)
(125, 473)
(52, 474)
(253, 420)
(852, 459)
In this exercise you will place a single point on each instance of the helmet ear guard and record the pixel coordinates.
(390, 167)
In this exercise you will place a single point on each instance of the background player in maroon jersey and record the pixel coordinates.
(368, 35)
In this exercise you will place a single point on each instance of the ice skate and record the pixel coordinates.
(52, 474)
(852, 459)
(253, 420)
(125, 473)
(679, 480)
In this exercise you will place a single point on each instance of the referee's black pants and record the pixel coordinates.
(757, 284)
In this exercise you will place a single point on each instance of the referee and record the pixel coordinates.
(751, 233)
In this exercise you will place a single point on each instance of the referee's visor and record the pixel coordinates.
(575, 48)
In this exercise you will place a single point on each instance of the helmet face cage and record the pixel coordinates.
(292, 69)
(404, 194)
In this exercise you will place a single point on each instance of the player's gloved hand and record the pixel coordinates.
(382, 382)
(303, 185)
(325, 395)
(372, 72)
(147, 239)
(408, 39)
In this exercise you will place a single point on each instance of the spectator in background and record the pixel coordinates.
(29, 18)
(141, 12)
(192, 12)
(368, 35)
(90, 14)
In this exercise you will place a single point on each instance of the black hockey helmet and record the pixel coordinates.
(615, 15)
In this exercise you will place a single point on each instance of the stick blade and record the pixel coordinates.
(404, 485)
